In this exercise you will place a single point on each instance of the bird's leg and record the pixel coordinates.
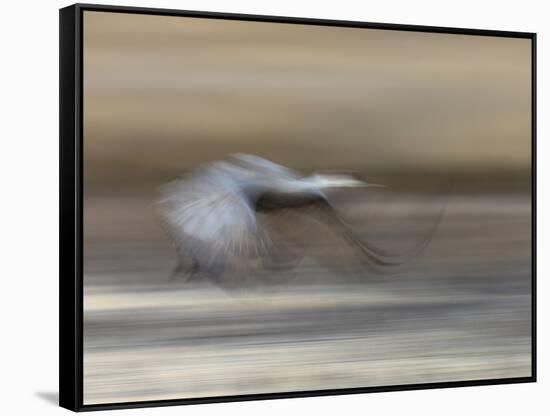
(194, 270)
(179, 270)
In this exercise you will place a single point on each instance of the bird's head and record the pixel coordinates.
(332, 180)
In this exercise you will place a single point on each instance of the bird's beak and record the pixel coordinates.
(362, 184)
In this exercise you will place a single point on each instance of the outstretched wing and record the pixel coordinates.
(322, 211)
(215, 227)
(377, 258)
(213, 222)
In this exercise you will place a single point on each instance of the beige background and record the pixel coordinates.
(162, 94)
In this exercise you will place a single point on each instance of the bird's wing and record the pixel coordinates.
(260, 166)
(378, 258)
(321, 212)
(211, 224)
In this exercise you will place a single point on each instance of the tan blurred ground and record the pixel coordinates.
(461, 311)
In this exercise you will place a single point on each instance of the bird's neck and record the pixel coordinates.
(305, 185)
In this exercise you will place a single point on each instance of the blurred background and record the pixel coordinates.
(414, 111)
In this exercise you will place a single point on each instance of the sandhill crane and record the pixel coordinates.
(213, 217)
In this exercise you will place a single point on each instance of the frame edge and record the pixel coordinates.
(70, 369)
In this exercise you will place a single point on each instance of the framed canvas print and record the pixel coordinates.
(256, 207)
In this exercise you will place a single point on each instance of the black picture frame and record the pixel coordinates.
(71, 201)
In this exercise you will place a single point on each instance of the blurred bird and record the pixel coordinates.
(220, 218)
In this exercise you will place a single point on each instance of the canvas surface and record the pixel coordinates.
(443, 121)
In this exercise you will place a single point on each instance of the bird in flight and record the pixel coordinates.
(224, 219)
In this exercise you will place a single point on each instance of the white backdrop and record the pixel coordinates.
(29, 207)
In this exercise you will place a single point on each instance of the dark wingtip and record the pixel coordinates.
(383, 261)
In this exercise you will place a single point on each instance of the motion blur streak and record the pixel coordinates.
(411, 111)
